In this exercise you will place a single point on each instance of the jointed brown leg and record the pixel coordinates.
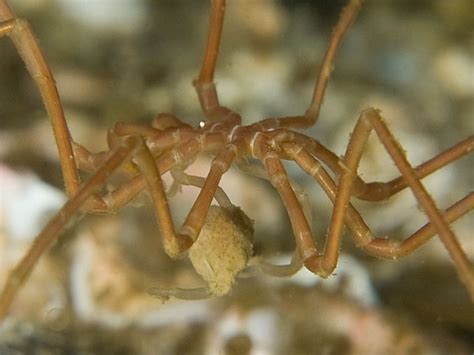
(115, 200)
(295, 264)
(28, 48)
(166, 132)
(167, 158)
(324, 264)
(196, 217)
(369, 120)
(376, 190)
(279, 179)
(204, 83)
(305, 242)
(87, 199)
(348, 14)
(363, 237)
(20, 33)
(181, 178)
(347, 17)
(58, 224)
(175, 244)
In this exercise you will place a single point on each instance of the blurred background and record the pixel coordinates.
(128, 60)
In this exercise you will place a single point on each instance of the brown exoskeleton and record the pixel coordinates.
(169, 144)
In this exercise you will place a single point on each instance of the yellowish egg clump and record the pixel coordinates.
(223, 247)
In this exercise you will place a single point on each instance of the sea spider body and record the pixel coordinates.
(145, 153)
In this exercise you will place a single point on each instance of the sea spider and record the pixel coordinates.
(147, 152)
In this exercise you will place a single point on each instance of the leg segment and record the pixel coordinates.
(188, 146)
(348, 14)
(20, 33)
(363, 237)
(187, 294)
(370, 119)
(216, 22)
(182, 178)
(58, 224)
(279, 178)
(118, 198)
(295, 263)
(461, 262)
(176, 244)
(196, 217)
(378, 191)
(204, 83)
(158, 141)
(285, 270)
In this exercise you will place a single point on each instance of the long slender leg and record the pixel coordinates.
(348, 14)
(196, 217)
(58, 224)
(301, 195)
(284, 270)
(190, 180)
(20, 33)
(159, 142)
(163, 124)
(305, 243)
(23, 38)
(295, 264)
(377, 190)
(368, 120)
(150, 173)
(176, 244)
(114, 200)
(363, 237)
(278, 177)
(188, 294)
(118, 198)
(461, 262)
(204, 83)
